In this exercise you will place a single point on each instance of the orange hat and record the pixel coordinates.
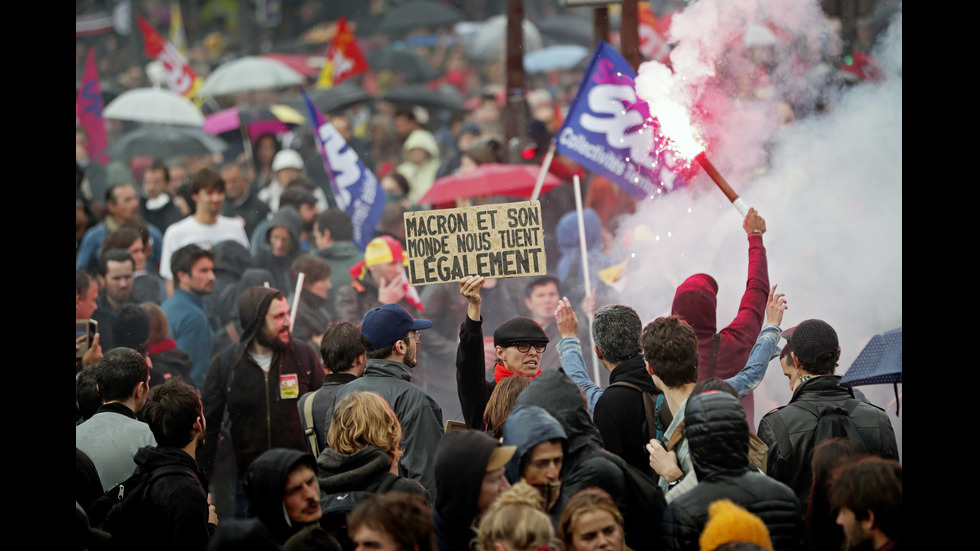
(380, 250)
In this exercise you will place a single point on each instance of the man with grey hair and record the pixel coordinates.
(618, 412)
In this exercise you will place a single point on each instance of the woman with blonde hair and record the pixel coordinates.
(591, 521)
(515, 521)
(364, 445)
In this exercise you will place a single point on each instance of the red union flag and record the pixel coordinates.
(181, 77)
(88, 110)
(653, 44)
(344, 58)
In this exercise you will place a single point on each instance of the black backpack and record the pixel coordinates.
(118, 510)
(338, 507)
(831, 423)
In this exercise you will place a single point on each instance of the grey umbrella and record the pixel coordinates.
(419, 94)
(419, 14)
(332, 99)
(163, 142)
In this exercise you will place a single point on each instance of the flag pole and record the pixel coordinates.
(583, 248)
(299, 289)
(545, 166)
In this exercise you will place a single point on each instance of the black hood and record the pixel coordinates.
(253, 305)
(557, 394)
(460, 465)
(265, 484)
(340, 472)
(634, 370)
(717, 433)
(232, 258)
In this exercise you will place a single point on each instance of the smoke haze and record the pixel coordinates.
(831, 197)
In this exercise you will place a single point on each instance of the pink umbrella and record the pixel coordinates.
(274, 118)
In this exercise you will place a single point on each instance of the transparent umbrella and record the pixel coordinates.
(248, 74)
(154, 105)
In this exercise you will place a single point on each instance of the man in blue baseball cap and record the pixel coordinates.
(393, 337)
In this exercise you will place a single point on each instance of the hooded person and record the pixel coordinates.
(539, 459)
(283, 240)
(519, 343)
(282, 492)
(570, 270)
(718, 436)
(231, 332)
(587, 464)
(231, 259)
(469, 473)
(724, 353)
(258, 381)
(421, 154)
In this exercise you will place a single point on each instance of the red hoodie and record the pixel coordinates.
(696, 301)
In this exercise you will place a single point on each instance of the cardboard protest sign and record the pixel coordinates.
(502, 240)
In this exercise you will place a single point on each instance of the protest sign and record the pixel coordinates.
(501, 240)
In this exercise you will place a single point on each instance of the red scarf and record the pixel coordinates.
(500, 373)
(161, 346)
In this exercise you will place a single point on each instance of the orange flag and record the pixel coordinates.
(181, 77)
(344, 58)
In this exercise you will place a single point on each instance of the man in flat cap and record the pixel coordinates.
(793, 430)
(392, 341)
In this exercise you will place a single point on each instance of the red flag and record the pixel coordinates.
(181, 77)
(88, 110)
(653, 43)
(344, 58)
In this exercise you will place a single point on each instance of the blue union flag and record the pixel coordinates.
(609, 130)
(355, 187)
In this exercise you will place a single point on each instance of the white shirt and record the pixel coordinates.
(189, 230)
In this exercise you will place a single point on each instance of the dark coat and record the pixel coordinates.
(792, 466)
(364, 470)
(260, 417)
(587, 464)
(177, 514)
(718, 435)
(620, 415)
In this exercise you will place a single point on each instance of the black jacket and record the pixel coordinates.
(472, 386)
(587, 464)
(718, 434)
(620, 416)
(176, 514)
(792, 466)
(365, 470)
(260, 417)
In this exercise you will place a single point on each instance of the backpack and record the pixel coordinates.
(642, 504)
(338, 507)
(831, 423)
(651, 407)
(119, 509)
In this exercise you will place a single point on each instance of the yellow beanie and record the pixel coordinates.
(728, 522)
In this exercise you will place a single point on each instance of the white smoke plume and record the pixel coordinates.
(829, 186)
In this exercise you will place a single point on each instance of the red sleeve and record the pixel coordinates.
(737, 339)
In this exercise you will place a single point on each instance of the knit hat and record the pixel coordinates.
(380, 250)
(727, 522)
(517, 330)
(813, 340)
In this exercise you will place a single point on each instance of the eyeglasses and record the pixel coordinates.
(525, 347)
(418, 337)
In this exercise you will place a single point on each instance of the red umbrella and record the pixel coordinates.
(486, 180)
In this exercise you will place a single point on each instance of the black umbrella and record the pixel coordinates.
(330, 100)
(163, 142)
(419, 14)
(567, 29)
(415, 67)
(419, 94)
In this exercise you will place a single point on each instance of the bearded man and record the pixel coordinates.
(259, 381)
